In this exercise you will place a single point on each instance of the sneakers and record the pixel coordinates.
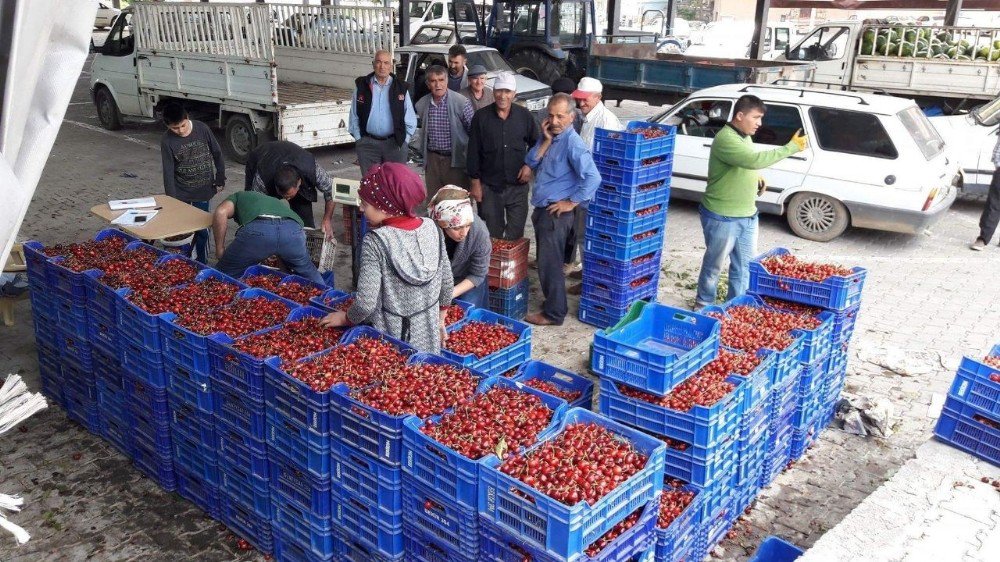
(978, 245)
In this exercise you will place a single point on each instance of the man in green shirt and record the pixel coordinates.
(268, 226)
(728, 209)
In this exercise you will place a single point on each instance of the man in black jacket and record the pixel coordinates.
(263, 164)
(382, 116)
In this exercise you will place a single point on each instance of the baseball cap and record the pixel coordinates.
(505, 81)
(477, 70)
(587, 86)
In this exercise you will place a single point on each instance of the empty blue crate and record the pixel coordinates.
(658, 350)
(600, 315)
(974, 385)
(626, 224)
(632, 144)
(563, 380)
(621, 271)
(239, 451)
(620, 295)
(616, 247)
(250, 491)
(547, 524)
(456, 526)
(834, 293)
(307, 449)
(363, 477)
(511, 302)
(501, 361)
(380, 530)
(246, 524)
(970, 429)
(631, 197)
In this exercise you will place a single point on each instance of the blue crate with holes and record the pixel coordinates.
(421, 547)
(834, 293)
(189, 385)
(102, 299)
(628, 224)
(50, 372)
(501, 361)
(287, 549)
(246, 524)
(971, 429)
(310, 493)
(353, 550)
(635, 146)
(117, 430)
(81, 383)
(629, 198)
(71, 283)
(713, 528)
(73, 318)
(256, 270)
(330, 299)
(620, 295)
(816, 344)
(811, 377)
(198, 491)
(312, 533)
(659, 349)
(250, 491)
(561, 379)
(621, 271)
(519, 509)
(436, 466)
(142, 363)
(38, 264)
(147, 398)
(972, 382)
(363, 477)
(750, 455)
(239, 451)
(239, 411)
(152, 430)
(307, 449)
(843, 324)
(43, 305)
(195, 459)
(600, 315)
(155, 465)
(191, 422)
(378, 529)
(511, 302)
(675, 541)
(456, 526)
(616, 247)
(757, 387)
(111, 376)
(47, 334)
(620, 171)
(773, 549)
(701, 466)
(102, 333)
(82, 410)
(378, 433)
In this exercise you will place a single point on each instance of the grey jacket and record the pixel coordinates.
(472, 255)
(404, 279)
(459, 136)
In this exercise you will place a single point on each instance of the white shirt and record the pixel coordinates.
(599, 118)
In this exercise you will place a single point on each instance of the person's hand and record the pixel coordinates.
(800, 140)
(444, 333)
(524, 175)
(476, 190)
(545, 129)
(218, 252)
(761, 186)
(560, 207)
(327, 227)
(334, 319)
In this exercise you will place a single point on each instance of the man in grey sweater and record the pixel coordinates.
(193, 167)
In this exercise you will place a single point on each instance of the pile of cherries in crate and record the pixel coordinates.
(189, 299)
(480, 339)
(293, 340)
(423, 389)
(752, 328)
(357, 364)
(704, 388)
(291, 290)
(790, 266)
(170, 274)
(242, 317)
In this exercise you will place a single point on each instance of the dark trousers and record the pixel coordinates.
(991, 212)
(304, 209)
(505, 210)
(200, 242)
(575, 240)
(263, 238)
(551, 233)
(372, 151)
(476, 296)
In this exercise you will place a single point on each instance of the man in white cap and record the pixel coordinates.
(499, 139)
(477, 91)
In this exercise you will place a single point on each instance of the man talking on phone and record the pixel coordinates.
(565, 177)
(728, 209)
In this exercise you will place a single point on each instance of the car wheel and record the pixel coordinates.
(240, 137)
(817, 217)
(107, 110)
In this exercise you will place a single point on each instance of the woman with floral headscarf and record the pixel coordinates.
(467, 240)
(404, 282)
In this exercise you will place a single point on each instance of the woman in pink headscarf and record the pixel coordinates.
(404, 282)
(467, 241)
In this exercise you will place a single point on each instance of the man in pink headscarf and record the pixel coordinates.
(404, 282)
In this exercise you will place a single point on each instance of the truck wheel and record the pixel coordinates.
(107, 110)
(817, 217)
(241, 137)
(536, 65)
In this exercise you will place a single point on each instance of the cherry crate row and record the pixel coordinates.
(970, 420)
(507, 278)
(626, 220)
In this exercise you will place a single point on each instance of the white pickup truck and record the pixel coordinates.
(262, 71)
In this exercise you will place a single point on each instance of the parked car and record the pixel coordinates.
(873, 161)
(971, 145)
(106, 14)
(443, 34)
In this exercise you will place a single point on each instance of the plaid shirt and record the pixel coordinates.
(438, 126)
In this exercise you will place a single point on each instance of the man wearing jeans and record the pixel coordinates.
(728, 209)
(991, 212)
(268, 226)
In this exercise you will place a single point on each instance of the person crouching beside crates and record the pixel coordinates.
(467, 241)
(404, 281)
(268, 226)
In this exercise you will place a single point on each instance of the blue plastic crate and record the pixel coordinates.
(249, 491)
(619, 248)
(152, 431)
(774, 549)
(970, 429)
(378, 433)
(246, 524)
(50, 372)
(239, 411)
(600, 315)
(713, 529)
(757, 387)
(352, 550)
(156, 466)
(631, 198)
(71, 283)
(82, 410)
(117, 431)
(750, 458)
(309, 493)
(306, 449)
(621, 271)
(835, 293)
(191, 422)
(452, 524)
(438, 467)
(77, 380)
(635, 146)
(421, 547)
(72, 316)
(144, 364)
(43, 304)
(239, 451)
(620, 295)
(701, 466)
(38, 264)
(625, 224)
(562, 379)
(47, 334)
(110, 379)
(973, 385)
(254, 270)
(287, 549)
(147, 398)
(511, 302)
(191, 386)
(503, 360)
(377, 529)
(329, 299)
(198, 492)
(195, 459)
(676, 541)
(658, 350)
(103, 334)
(363, 477)
(616, 170)
(843, 324)
(816, 344)
(519, 509)
(135, 324)
(102, 299)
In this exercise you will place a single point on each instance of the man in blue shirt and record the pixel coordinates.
(565, 176)
(382, 116)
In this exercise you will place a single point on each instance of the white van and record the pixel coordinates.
(442, 11)
(873, 161)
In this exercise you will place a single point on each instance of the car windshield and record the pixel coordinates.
(923, 132)
(489, 59)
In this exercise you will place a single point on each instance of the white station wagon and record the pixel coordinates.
(873, 161)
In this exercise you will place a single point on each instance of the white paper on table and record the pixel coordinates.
(132, 217)
(137, 203)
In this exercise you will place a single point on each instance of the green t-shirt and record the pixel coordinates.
(251, 204)
(732, 172)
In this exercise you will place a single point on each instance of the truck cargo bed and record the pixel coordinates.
(300, 93)
(312, 115)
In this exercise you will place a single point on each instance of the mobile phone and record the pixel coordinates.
(140, 218)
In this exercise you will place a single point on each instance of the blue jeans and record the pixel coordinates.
(263, 238)
(200, 242)
(732, 237)
(476, 296)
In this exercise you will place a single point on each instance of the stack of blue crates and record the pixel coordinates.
(970, 420)
(626, 221)
(507, 278)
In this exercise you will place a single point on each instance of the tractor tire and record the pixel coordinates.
(537, 65)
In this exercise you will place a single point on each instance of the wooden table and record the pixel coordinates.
(175, 218)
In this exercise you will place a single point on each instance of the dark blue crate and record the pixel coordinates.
(195, 459)
(451, 524)
(520, 510)
(50, 373)
(843, 324)
(713, 529)
(562, 379)
(701, 466)
(628, 224)
(75, 349)
(246, 524)
(676, 541)
(112, 402)
(239, 451)
(103, 334)
(135, 324)
(620, 295)
(501, 361)
(970, 429)
(599, 315)
(156, 466)
(816, 344)
(287, 549)
(144, 364)
(621, 271)
(618, 248)
(623, 172)
(378, 529)
(43, 305)
(71, 283)
(774, 549)
(198, 491)
(117, 430)
(37, 263)
(511, 302)
(658, 350)
(303, 447)
(239, 411)
(465, 306)
(635, 146)
(254, 270)
(147, 398)
(630, 198)
(290, 480)
(374, 432)
(191, 386)
(248, 490)
(47, 334)
(352, 550)
(363, 477)
(972, 383)
(79, 382)
(191, 422)
(421, 547)
(152, 431)
(312, 533)
(835, 293)
(82, 410)
(329, 299)
(72, 317)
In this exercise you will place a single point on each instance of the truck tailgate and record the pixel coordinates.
(311, 115)
(977, 79)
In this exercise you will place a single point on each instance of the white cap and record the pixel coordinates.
(505, 81)
(586, 87)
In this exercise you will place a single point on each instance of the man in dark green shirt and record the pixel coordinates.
(268, 227)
